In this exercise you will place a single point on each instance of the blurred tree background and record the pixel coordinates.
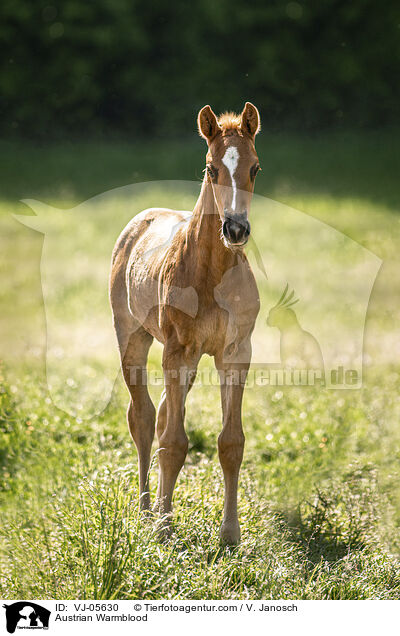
(128, 67)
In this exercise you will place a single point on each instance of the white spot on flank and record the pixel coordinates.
(231, 160)
(148, 253)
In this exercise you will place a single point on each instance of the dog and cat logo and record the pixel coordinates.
(26, 615)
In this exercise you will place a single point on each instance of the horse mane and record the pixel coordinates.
(230, 122)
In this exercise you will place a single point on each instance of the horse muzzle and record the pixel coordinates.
(236, 231)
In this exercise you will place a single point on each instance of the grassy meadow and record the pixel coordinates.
(319, 502)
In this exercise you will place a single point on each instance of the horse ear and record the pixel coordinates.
(207, 123)
(250, 123)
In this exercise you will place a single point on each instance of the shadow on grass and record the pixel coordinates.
(315, 544)
(338, 521)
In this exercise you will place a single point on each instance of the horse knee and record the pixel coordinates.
(141, 425)
(173, 449)
(230, 448)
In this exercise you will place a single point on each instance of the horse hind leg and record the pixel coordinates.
(161, 422)
(141, 412)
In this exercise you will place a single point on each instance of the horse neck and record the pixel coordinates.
(204, 234)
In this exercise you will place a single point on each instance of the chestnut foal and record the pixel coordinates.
(183, 279)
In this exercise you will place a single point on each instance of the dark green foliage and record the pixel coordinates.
(145, 68)
(319, 500)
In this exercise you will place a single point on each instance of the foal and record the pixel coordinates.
(183, 279)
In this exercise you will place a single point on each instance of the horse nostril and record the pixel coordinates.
(225, 229)
(236, 232)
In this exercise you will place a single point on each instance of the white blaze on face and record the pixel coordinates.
(231, 160)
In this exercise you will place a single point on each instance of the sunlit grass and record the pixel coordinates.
(319, 497)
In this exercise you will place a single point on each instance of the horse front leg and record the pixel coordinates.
(179, 372)
(231, 444)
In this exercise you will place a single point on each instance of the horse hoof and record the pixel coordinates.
(157, 507)
(164, 530)
(230, 534)
(147, 514)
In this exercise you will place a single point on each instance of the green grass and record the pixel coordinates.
(319, 492)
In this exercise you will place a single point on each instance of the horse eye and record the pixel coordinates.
(254, 170)
(212, 171)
